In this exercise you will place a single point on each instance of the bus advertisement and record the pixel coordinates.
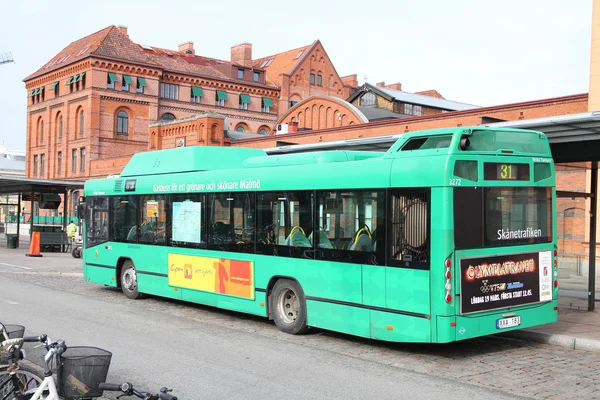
(448, 235)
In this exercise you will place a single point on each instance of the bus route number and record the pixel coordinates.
(455, 182)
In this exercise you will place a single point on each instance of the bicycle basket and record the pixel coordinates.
(80, 370)
(14, 331)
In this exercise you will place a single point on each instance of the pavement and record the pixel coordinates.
(576, 328)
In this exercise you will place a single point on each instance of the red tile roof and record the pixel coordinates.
(282, 63)
(431, 93)
(111, 43)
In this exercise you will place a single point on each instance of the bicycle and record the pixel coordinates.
(18, 381)
(128, 390)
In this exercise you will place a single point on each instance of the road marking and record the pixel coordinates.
(15, 266)
(9, 301)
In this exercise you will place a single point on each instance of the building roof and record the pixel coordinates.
(281, 63)
(111, 43)
(412, 98)
(7, 164)
(376, 114)
(108, 42)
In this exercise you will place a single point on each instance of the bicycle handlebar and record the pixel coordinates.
(128, 389)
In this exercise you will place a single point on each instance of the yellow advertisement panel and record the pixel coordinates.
(217, 275)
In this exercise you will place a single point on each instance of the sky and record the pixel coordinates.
(472, 51)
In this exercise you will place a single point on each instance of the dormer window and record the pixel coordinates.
(240, 73)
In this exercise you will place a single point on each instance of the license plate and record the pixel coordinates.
(508, 322)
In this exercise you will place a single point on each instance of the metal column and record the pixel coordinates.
(593, 208)
(18, 219)
(31, 218)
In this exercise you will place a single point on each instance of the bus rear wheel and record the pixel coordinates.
(288, 306)
(129, 283)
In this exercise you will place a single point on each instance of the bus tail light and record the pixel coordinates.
(555, 268)
(448, 285)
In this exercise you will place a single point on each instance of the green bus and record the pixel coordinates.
(448, 235)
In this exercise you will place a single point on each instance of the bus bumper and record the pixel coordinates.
(482, 324)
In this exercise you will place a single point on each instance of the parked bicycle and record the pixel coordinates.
(18, 381)
(128, 390)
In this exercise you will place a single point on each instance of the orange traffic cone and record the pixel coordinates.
(34, 246)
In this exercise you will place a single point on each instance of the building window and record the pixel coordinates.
(59, 163)
(220, 97)
(82, 159)
(256, 76)
(111, 78)
(83, 80)
(60, 126)
(122, 123)
(240, 129)
(367, 99)
(196, 94)
(57, 89)
(141, 83)
(42, 164)
(168, 91)
(293, 103)
(312, 79)
(81, 120)
(262, 132)
(408, 109)
(74, 160)
(244, 101)
(240, 73)
(267, 103)
(35, 162)
(41, 132)
(77, 82)
(43, 94)
(417, 110)
(319, 80)
(126, 82)
(167, 117)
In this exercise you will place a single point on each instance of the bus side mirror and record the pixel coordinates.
(464, 143)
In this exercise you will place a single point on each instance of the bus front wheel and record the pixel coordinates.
(288, 306)
(129, 283)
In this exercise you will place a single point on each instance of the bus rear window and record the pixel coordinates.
(502, 216)
(429, 142)
(523, 142)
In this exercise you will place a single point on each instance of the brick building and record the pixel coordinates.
(97, 98)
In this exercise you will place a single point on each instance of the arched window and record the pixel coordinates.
(213, 133)
(59, 134)
(368, 99)
(240, 129)
(41, 131)
(122, 123)
(262, 132)
(167, 117)
(81, 122)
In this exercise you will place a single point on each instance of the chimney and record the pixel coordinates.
(122, 29)
(350, 80)
(187, 48)
(394, 86)
(293, 127)
(242, 54)
(380, 84)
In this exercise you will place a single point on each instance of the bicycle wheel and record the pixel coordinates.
(29, 378)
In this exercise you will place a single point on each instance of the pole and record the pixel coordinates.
(593, 208)
(18, 218)
(31, 218)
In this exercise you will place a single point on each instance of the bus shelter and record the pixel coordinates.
(575, 143)
(34, 190)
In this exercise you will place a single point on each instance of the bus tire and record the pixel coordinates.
(288, 306)
(76, 252)
(129, 282)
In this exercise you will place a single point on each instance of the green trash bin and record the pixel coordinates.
(11, 241)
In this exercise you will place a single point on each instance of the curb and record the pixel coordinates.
(570, 342)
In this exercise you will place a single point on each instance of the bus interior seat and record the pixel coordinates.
(362, 243)
(324, 242)
(296, 238)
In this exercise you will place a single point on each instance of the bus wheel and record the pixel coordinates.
(288, 306)
(129, 283)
